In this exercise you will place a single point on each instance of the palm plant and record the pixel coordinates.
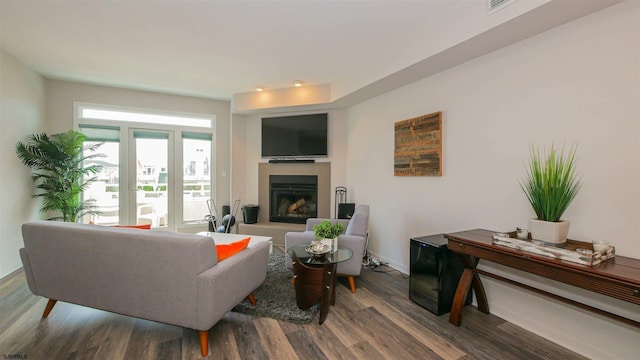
(57, 164)
(552, 183)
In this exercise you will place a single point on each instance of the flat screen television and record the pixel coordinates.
(294, 136)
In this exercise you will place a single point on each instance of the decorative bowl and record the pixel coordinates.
(317, 249)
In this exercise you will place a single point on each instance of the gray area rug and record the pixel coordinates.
(276, 297)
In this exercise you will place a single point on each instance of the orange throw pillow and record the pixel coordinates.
(227, 250)
(144, 227)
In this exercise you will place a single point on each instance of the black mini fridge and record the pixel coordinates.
(434, 274)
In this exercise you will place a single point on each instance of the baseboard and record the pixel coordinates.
(10, 274)
(401, 268)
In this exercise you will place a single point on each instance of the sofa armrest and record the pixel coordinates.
(26, 264)
(226, 284)
(297, 238)
(292, 239)
(353, 266)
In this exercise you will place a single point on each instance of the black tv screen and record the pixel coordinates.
(295, 136)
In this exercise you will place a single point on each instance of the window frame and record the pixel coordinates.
(176, 165)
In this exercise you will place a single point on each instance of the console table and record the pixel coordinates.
(618, 277)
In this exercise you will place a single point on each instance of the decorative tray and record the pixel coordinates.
(578, 252)
(317, 249)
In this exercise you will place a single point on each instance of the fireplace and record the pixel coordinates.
(293, 198)
(321, 170)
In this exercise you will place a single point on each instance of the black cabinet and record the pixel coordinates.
(434, 274)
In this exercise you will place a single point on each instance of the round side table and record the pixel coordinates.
(315, 277)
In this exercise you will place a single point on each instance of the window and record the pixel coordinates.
(105, 191)
(101, 113)
(196, 184)
(154, 172)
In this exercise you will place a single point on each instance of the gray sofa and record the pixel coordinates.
(354, 238)
(167, 277)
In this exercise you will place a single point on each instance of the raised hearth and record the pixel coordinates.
(275, 230)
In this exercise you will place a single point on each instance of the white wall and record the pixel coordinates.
(247, 142)
(578, 83)
(61, 96)
(239, 148)
(21, 113)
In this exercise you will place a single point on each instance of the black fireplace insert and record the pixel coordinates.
(293, 198)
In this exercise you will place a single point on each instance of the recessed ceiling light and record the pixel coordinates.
(298, 83)
(260, 88)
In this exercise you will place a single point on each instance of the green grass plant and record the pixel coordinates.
(551, 182)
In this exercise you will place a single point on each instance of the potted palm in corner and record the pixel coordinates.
(57, 164)
(550, 186)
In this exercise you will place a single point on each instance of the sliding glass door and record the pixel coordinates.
(151, 167)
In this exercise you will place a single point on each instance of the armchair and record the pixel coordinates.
(354, 238)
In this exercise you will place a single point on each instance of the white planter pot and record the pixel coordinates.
(331, 243)
(554, 233)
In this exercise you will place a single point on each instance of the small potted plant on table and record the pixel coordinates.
(550, 187)
(327, 233)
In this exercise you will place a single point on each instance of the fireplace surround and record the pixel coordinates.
(319, 171)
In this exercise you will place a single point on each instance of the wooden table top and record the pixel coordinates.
(620, 268)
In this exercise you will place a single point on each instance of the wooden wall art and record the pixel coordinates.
(418, 146)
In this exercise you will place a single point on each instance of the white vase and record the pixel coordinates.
(553, 233)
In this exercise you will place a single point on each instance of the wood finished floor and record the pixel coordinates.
(378, 322)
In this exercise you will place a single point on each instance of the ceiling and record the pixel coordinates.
(216, 49)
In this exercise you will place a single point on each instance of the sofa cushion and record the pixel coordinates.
(227, 250)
